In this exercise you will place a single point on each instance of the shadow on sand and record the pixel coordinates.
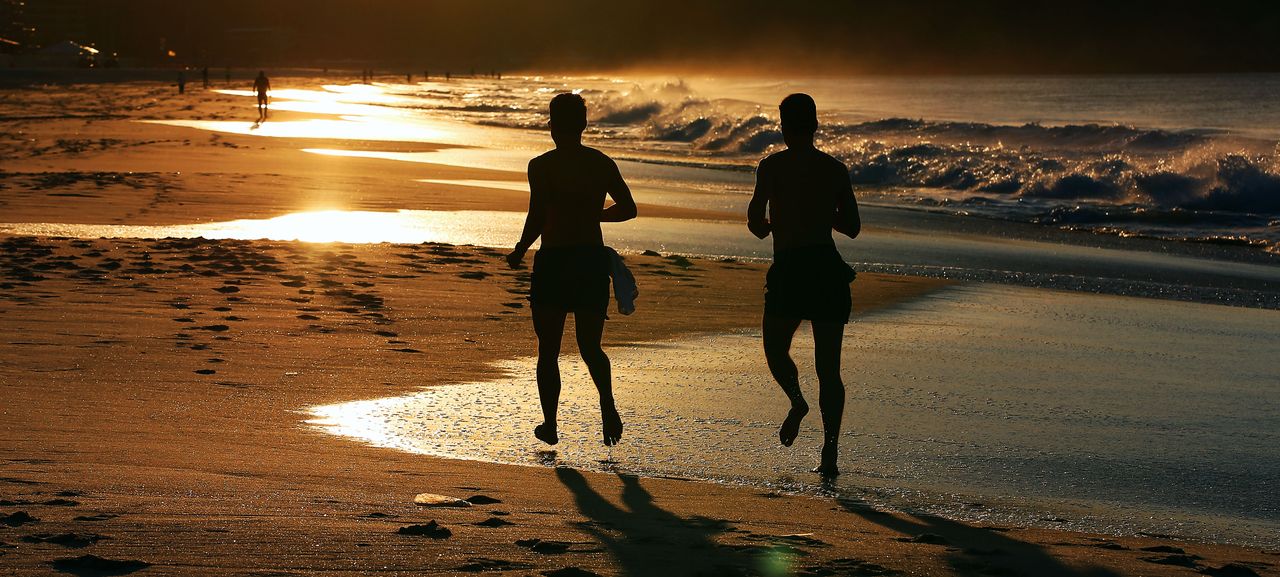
(973, 550)
(648, 540)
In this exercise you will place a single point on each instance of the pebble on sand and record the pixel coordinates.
(434, 500)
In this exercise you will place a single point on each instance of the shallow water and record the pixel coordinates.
(987, 403)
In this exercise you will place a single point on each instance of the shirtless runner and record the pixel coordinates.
(567, 190)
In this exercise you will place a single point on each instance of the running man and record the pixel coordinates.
(567, 189)
(261, 85)
(807, 195)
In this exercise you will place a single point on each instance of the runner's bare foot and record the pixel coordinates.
(828, 468)
(612, 425)
(546, 433)
(791, 425)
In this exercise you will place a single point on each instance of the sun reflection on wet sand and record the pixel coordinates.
(358, 227)
(357, 93)
(347, 128)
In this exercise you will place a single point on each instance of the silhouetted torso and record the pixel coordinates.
(804, 186)
(574, 182)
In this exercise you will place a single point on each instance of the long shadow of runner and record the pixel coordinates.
(975, 550)
(648, 540)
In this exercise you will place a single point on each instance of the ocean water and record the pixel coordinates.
(1189, 158)
(984, 403)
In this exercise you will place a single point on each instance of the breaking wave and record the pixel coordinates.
(1187, 185)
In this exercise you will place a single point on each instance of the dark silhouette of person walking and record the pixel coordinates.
(567, 190)
(807, 195)
(262, 86)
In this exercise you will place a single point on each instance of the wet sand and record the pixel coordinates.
(155, 391)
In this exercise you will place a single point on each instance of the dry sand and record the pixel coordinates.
(153, 389)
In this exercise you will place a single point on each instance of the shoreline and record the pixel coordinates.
(1034, 494)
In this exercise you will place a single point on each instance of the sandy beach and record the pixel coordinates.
(156, 391)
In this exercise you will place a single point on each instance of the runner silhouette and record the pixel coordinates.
(261, 85)
(807, 194)
(567, 190)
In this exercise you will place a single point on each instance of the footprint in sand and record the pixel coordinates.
(184, 320)
(228, 289)
(96, 518)
(72, 540)
(205, 371)
(387, 334)
(431, 529)
(309, 317)
(222, 309)
(544, 547)
(18, 519)
(95, 565)
(574, 572)
(848, 566)
(494, 522)
(486, 565)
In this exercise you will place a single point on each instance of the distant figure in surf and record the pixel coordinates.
(567, 190)
(182, 82)
(261, 85)
(807, 195)
(204, 77)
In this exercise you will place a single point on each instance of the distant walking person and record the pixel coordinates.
(182, 82)
(567, 189)
(204, 77)
(807, 194)
(262, 86)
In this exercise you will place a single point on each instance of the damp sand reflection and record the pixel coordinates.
(955, 403)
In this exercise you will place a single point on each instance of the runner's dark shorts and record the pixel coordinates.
(571, 279)
(810, 283)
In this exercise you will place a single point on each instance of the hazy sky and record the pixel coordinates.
(884, 36)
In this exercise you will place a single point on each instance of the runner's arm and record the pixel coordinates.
(757, 221)
(848, 222)
(624, 206)
(535, 220)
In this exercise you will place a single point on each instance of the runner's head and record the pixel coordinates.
(799, 118)
(568, 118)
